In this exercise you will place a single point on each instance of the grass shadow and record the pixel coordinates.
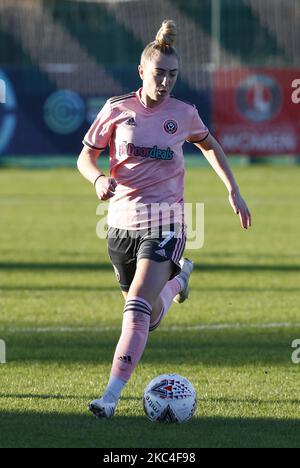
(228, 347)
(89, 266)
(49, 429)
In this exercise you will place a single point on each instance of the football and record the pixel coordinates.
(170, 398)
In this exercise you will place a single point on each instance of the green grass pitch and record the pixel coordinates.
(60, 316)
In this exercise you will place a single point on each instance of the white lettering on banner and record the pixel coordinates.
(296, 93)
(2, 352)
(251, 141)
(2, 92)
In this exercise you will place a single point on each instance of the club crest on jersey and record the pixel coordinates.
(170, 126)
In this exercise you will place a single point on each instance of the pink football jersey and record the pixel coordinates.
(146, 157)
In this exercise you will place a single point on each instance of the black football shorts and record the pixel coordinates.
(159, 244)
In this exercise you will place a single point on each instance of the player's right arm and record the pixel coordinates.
(87, 166)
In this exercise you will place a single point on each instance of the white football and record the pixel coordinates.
(170, 398)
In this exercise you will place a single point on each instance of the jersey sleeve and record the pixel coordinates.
(99, 133)
(198, 131)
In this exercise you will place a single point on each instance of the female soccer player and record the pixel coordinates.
(145, 131)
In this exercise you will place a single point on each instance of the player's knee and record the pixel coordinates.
(143, 291)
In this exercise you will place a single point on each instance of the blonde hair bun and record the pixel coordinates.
(167, 33)
(163, 42)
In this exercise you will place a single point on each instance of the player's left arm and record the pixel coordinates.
(216, 157)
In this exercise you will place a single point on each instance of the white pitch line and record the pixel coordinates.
(220, 326)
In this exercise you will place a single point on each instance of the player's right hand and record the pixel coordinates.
(105, 187)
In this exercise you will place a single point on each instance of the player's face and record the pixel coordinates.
(159, 76)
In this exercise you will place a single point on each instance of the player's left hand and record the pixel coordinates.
(240, 208)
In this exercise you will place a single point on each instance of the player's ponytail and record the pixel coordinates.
(163, 43)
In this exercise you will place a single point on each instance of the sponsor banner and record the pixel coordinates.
(253, 111)
(38, 118)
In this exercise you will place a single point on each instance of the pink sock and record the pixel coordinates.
(167, 295)
(133, 339)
